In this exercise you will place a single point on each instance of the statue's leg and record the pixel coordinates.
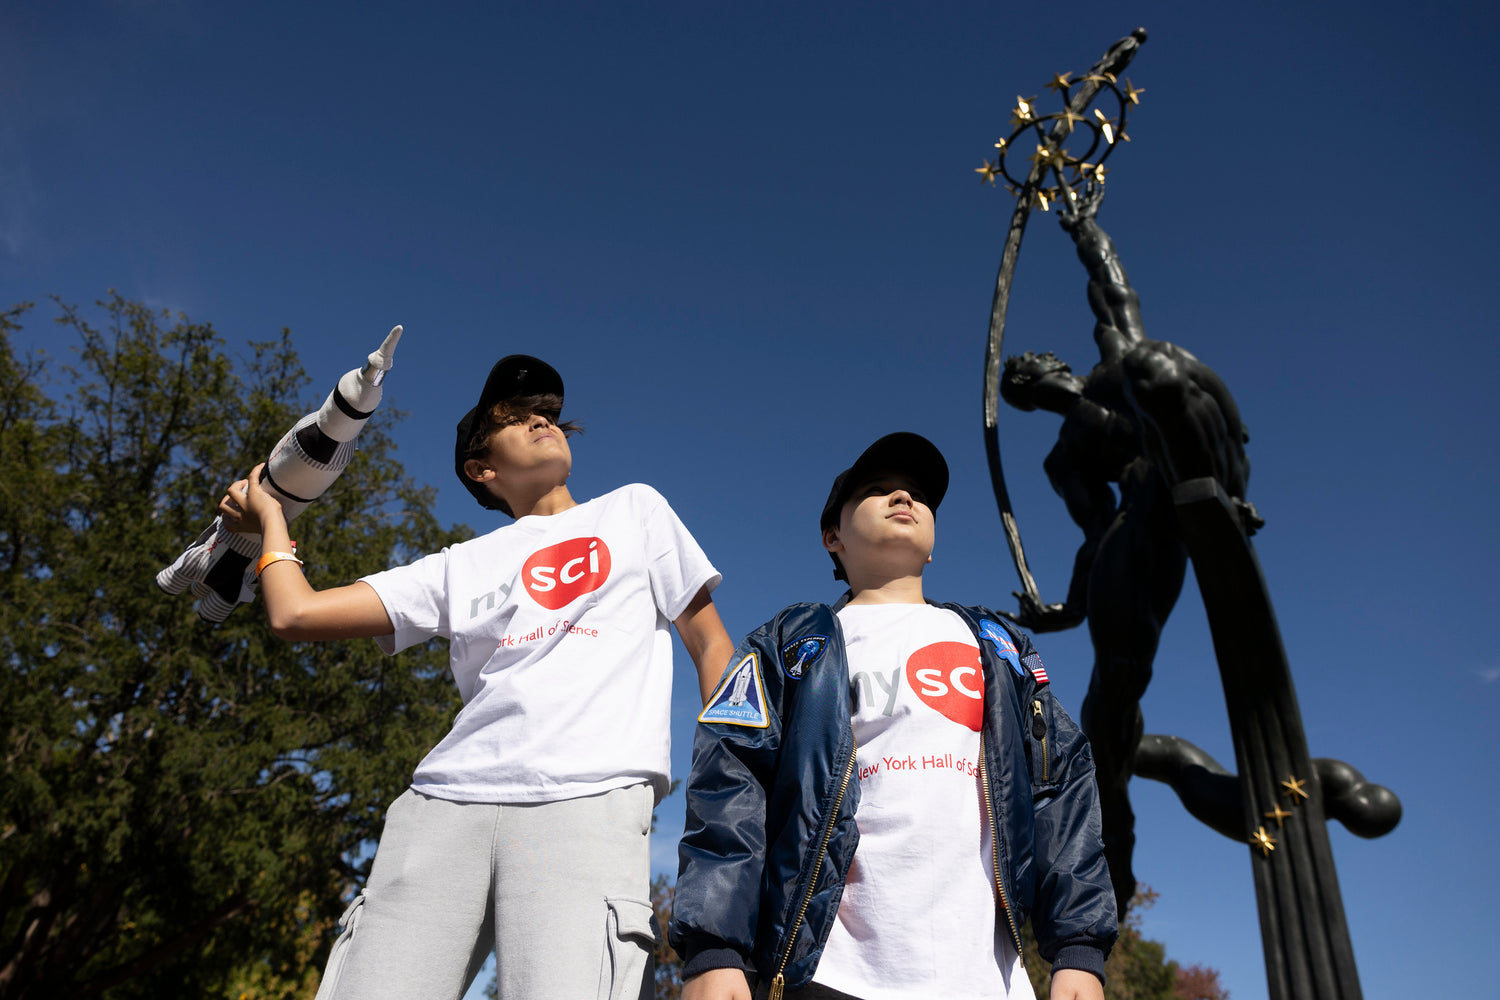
(1113, 731)
(1137, 575)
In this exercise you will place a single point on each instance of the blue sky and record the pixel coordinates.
(751, 239)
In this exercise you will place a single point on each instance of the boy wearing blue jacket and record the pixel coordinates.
(884, 790)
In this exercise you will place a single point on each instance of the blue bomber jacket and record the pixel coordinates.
(771, 797)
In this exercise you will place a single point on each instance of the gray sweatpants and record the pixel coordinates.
(560, 890)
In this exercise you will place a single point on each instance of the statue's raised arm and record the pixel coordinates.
(1116, 306)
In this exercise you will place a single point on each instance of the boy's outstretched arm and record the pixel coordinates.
(1070, 984)
(706, 641)
(294, 609)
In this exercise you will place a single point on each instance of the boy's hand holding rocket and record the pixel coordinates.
(219, 567)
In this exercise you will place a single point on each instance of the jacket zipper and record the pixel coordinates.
(1039, 730)
(778, 984)
(989, 808)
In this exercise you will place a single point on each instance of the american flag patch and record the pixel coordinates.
(1033, 662)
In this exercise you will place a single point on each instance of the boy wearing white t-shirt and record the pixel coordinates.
(883, 791)
(526, 828)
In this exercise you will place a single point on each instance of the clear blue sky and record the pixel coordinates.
(751, 238)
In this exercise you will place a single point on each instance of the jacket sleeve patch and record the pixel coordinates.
(799, 654)
(1000, 639)
(741, 697)
(1033, 661)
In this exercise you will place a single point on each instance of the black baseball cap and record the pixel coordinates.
(513, 375)
(903, 452)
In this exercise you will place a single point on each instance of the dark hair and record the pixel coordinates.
(514, 410)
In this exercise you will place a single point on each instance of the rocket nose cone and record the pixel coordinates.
(384, 357)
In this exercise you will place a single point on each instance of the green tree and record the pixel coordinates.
(667, 963)
(183, 806)
(1198, 982)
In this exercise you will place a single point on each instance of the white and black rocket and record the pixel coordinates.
(219, 567)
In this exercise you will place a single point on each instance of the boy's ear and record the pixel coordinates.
(478, 471)
(831, 540)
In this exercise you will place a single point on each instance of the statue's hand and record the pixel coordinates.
(1038, 617)
(1085, 206)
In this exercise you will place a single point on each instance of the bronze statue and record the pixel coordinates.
(1153, 422)
(1146, 417)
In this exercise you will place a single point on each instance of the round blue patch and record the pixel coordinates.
(799, 654)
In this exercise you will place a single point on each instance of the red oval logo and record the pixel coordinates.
(566, 571)
(947, 676)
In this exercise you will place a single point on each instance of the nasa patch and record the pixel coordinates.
(799, 654)
(741, 697)
(1001, 640)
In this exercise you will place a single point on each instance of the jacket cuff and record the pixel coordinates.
(1080, 956)
(716, 958)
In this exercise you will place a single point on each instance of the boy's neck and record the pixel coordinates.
(895, 590)
(554, 501)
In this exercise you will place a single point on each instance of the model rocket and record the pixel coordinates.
(219, 567)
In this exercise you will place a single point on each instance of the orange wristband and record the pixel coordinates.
(274, 557)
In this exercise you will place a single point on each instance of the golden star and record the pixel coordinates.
(1000, 144)
(1068, 117)
(1047, 156)
(1024, 111)
(1105, 127)
(1101, 78)
(1278, 814)
(1133, 94)
(1059, 81)
(1041, 199)
(1264, 841)
(1294, 789)
(987, 172)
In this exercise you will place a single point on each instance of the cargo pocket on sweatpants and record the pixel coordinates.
(348, 924)
(628, 943)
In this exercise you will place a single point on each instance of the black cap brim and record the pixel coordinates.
(513, 375)
(903, 452)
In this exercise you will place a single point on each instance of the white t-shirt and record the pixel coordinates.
(918, 917)
(559, 641)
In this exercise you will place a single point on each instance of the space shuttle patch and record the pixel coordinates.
(740, 699)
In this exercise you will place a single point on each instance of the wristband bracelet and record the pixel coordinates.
(274, 557)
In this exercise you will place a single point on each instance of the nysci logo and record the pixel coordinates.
(561, 573)
(947, 677)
